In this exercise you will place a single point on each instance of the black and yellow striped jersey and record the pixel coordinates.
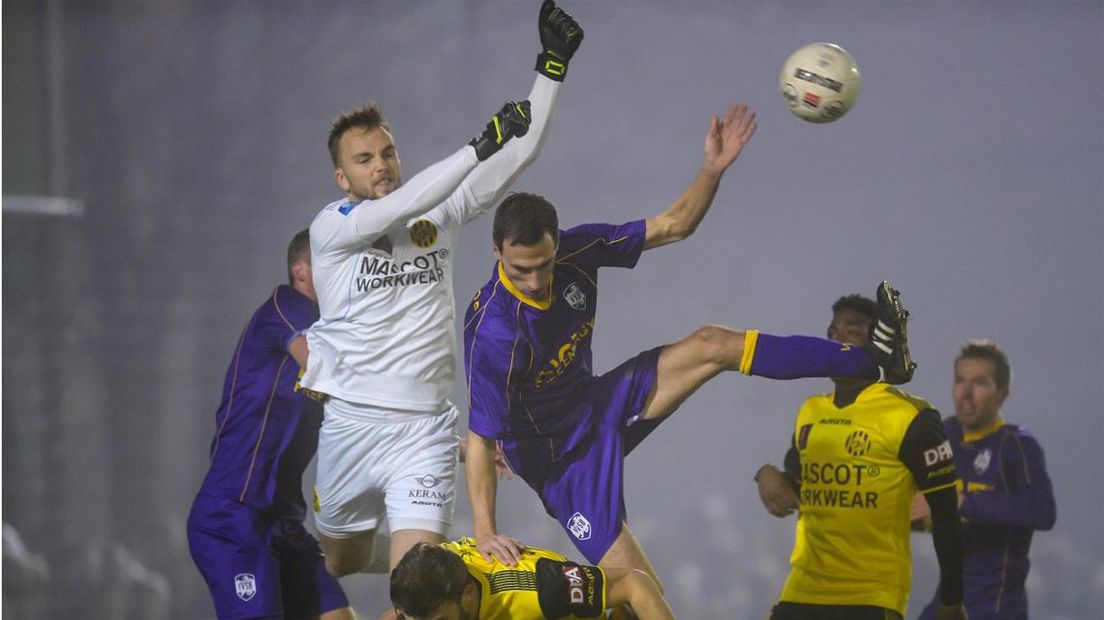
(544, 584)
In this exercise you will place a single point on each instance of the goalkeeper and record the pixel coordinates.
(383, 350)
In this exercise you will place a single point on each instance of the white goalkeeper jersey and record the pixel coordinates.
(385, 335)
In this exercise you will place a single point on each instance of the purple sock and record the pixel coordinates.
(793, 357)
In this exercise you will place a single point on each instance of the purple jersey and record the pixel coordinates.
(266, 431)
(1007, 496)
(528, 363)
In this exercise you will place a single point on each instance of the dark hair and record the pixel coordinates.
(366, 117)
(988, 350)
(524, 219)
(298, 251)
(426, 578)
(863, 305)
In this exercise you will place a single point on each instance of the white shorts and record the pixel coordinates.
(374, 461)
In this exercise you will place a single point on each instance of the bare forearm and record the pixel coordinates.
(682, 218)
(482, 484)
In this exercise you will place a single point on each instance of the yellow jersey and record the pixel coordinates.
(544, 584)
(860, 466)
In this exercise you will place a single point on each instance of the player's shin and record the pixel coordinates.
(794, 357)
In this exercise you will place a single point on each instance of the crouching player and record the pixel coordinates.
(452, 581)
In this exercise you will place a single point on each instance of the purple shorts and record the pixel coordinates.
(584, 491)
(258, 566)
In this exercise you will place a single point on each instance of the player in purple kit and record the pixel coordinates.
(245, 529)
(1006, 493)
(527, 339)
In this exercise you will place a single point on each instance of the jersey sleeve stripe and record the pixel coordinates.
(591, 244)
(940, 487)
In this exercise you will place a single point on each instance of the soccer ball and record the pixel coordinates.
(820, 82)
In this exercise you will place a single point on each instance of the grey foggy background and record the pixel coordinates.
(969, 174)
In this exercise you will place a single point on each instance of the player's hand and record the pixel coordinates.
(775, 492)
(951, 612)
(560, 36)
(726, 137)
(498, 547)
(512, 121)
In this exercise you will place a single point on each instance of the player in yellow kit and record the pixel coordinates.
(857, 457)
(452, 581)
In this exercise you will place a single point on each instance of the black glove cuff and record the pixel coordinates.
(484, 147)
(551, 67)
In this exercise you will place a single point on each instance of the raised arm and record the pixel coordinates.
(560, 37)
(368, 220)
(723, 143)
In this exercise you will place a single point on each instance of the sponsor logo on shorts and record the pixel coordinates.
(574, 296)
(579, 526)
(427, 496)
(245, 585)
(428, 481)
(981, 463)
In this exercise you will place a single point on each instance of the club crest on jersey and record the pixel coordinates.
(245, 585)
(858, 443)
(981, 463)
(579, 526)
(423, 233)
(574, 296)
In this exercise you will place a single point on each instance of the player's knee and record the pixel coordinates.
(718, 345)
(342, 561)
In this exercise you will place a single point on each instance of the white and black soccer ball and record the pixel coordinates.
(820, 82)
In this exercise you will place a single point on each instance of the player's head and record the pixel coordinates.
(526, 233)
(852, 318)
(366, 163)
(432, 583)
(299, 264)
(982, 377)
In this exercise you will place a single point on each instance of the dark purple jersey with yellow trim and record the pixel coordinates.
(1007, 496)
(528, 362)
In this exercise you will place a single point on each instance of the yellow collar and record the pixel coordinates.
(972, 436)
(539, 305)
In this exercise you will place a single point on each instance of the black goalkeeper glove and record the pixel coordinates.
(512, 121)
(560, 35)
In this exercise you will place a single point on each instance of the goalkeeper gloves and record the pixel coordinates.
(510, 122)
(560, 35)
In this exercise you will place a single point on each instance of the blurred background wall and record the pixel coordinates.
(180, 145)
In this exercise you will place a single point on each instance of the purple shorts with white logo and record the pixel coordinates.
(584, 492)
(259, 566)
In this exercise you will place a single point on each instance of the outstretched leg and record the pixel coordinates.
(685, 366)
